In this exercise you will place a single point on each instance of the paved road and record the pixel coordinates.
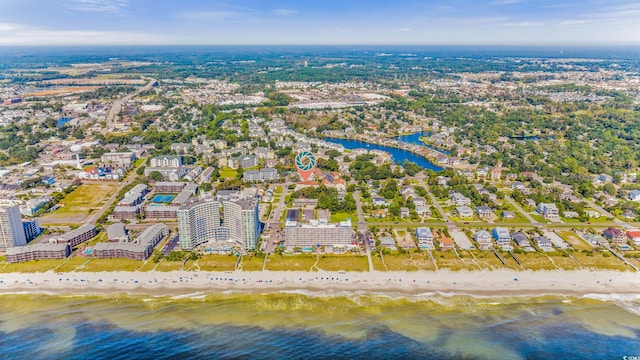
(521, 210)
(117, 105)
(274, 221)
(362, 228)
(130, 178)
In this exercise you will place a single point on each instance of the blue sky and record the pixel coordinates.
(491, 22)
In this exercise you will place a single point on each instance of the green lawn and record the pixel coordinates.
(226, 173)
(343, 216)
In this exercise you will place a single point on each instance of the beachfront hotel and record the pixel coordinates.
(334, 237)
(11, 230)
(241, 218)
(200, 222)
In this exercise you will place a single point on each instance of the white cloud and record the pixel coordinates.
(284, 12)
(572, 22)
(7, 27)
(109, 6)
(524, 24)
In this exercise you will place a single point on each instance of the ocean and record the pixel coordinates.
(317, 326)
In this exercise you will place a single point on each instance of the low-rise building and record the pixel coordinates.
(169, 187)
(117, 233)
(140, 249)
(75, 237)
(161, 212)
(38, 252)
(118, 159)
(126, 212)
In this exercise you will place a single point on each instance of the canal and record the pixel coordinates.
(398, 155)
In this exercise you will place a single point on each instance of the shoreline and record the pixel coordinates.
(498, 283)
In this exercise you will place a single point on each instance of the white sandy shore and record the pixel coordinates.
(486, 283)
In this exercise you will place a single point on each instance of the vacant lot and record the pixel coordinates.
(80, 203)
(343, 262)
(574, 240)
(291, 262)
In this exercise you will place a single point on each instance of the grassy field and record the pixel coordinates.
(600, 261)
(217, 263)
(449, 260)
(252, 263)
(226, 173)
(343, 262)
(301, 262)
(574, 240)
(537, 261)
(487, 260)
(31, 266)
(402, 262)
(342, 216)
(81, 202)
(95, 265)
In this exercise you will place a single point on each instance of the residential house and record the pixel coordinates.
(518, 185)
(543, 243)
(508, 215)
(464, 211)
(423, 211)
(388, 242)
(418, 201)
(548, 211)
(379, 201)
(521, 239)
(404, 212)
(483, 239)
(502, 236)
(530, 203)
(615, 236)
(484, 212)
(425, 238)
(567, 196)
(459, 199)
(634, 236)
(634, 195)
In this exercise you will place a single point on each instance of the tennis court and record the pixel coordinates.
(163, 199)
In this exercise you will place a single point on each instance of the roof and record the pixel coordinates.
(36, 247)
(116, 231)
(73, 233)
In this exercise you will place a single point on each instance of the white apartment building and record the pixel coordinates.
(11, 230)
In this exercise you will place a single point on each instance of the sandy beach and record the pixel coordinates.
(486, 283)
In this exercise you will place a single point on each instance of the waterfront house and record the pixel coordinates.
(483, 239)
(388, 242)
(615, 236)
(425, 238)
(502, 236)
(634, 236)
(543, 243)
